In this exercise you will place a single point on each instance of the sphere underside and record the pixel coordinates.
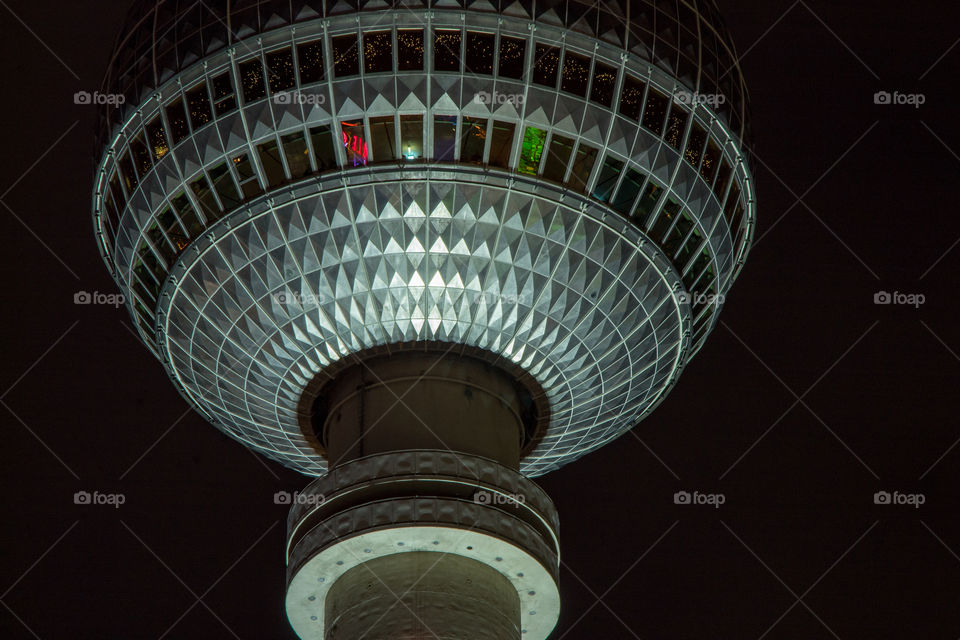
(274, 297)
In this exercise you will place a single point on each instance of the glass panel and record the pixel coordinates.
(170, 225)
(737, 219)
(479, 52)
(655, 111)
(168, 221)
(733, 199)
(710, 160)
(310, 61)
(147, 277)
(582, 166)
(346, 57)
(410, 50)
(377, 52)
(576, 73)
(531, 150)
(145, 318)
(198, 103)
(678, 233)
(511, 57)
(667, 216)
(160, 243)
(158, 138)
(249, 184)
(298, 157)
(150, 284)
(558, 155)
(113, 216)
(446, 50)
(698, 137)
(177, 117)
(473, 136)
(208, 204)
(322, 140)
(676, 126)
(224, 98)
(501, 142)
(604, 84)
(188, 217)
(723, 177)
(545, 62)
(272, 165)
(355, 142)
(130, 179)
(141, 157)
(280, 70)
(631, 98)
(701, 266)
(224, 186)
(411, 137)
(251, 79)
(150, 261)
(607, 180)
(383, 138)
(117, 192)
(628, 191)
(651, 195)
(444, 137)
(144, 294)
(691, 245)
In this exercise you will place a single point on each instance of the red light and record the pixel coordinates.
(356, 145)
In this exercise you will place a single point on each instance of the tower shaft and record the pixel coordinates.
(409, 596)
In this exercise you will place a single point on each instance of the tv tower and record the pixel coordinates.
(424, 252)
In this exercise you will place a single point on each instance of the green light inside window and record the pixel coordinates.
(531, 151)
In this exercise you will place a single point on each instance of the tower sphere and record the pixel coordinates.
(424, 251)
(560, 188)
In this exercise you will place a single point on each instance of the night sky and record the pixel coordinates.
(807, 399)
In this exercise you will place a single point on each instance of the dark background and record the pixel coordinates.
(807, 399)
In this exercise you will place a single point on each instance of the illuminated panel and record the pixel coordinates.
(354, 142)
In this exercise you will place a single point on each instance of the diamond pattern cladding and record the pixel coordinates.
(554, 290)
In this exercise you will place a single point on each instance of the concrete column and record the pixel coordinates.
(423, 401)
(422, 595)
